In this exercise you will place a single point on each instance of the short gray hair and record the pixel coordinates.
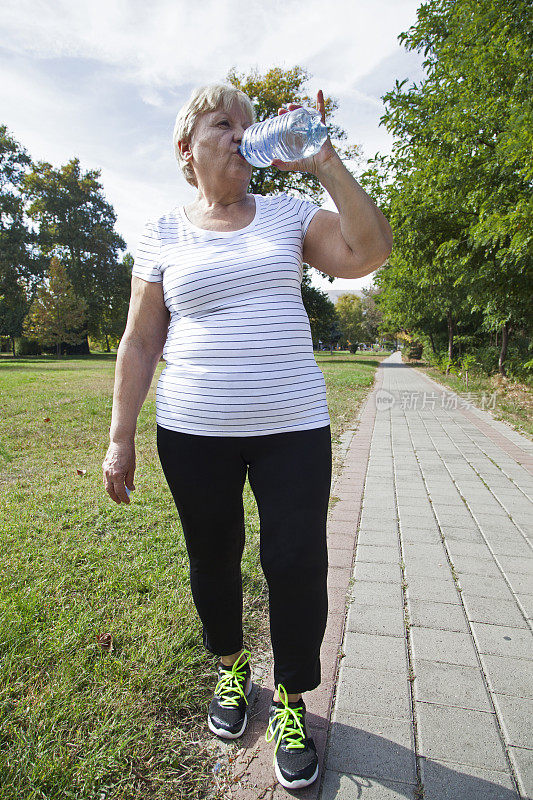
(203, 99)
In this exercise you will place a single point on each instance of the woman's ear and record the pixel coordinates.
(185, 149)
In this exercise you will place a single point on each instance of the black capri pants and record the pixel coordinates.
(290, 476)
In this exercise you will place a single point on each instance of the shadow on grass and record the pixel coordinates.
(8, 362)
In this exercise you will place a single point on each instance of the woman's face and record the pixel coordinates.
(214, 144)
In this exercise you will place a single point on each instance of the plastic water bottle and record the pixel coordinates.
(299, 133)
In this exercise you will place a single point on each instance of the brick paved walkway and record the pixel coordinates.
(435, 687)
(431, 600)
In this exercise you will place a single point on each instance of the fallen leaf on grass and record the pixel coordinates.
(81, 471)
(105, 640)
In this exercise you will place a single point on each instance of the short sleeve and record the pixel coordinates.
(305, 211)
(147, 264)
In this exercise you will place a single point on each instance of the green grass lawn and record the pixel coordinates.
(79, 719)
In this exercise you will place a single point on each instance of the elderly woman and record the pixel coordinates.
(216, 289)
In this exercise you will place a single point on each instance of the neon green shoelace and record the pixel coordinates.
(288, 721)
(230, 686)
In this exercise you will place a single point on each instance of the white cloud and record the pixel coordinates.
(104, 80)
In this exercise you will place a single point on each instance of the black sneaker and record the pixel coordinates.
(295, 757)
(227, 715)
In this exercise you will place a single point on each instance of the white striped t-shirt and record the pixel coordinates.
(239, 354)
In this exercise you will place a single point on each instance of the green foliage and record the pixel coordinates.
(56, 313)
(457, 189)
(268, 92)
(76, 225)
(320, 310)
(27, 347)
(415, 350)
(349, 311)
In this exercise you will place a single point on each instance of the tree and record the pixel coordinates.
(76, 225)
(460, 194)
(320, 310)
(372, 316)
(114, 310)
(349, 311)
(15, 237)
(56, 313)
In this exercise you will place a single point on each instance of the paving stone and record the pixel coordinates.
(484, 609)
(515, 715)
(444, 616)
(380, 554)
(476, 566)
(520, 583)
(430, 550)
(501, 640)
(382, 537)
(455, 532)
(526, 601)
(372, 651)
(493, 522)
(478, 550)
(376, 747)
(516, 564)
(337, 541)
(363, 618)
(451, 685)
(448, 647)
(445, 780)
(416, 520)
(481, 586)
(339, 786)
(428, 535)
(427, 568)
(454, 518)
(522, 761)
(366, 691)
(338, 577)
(436, 589)
(371, 571)
(374, 593)
(507, 675)
(454, 734)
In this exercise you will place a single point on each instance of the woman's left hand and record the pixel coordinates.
(312, 163)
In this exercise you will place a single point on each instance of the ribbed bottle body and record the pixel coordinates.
(288, 137)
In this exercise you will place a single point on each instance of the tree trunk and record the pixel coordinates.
(58, 349)
(503, 352)
(108, 350)
(13, 345)
(432, 344)
(450, 337)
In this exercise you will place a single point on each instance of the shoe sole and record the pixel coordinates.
(295, 784)
(222, 732)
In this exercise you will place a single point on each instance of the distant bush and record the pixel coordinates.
(27, 347)
(415, 350)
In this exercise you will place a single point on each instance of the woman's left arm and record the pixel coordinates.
(358, 239)
(362, 225)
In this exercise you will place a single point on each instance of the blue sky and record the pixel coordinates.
(103, 81)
